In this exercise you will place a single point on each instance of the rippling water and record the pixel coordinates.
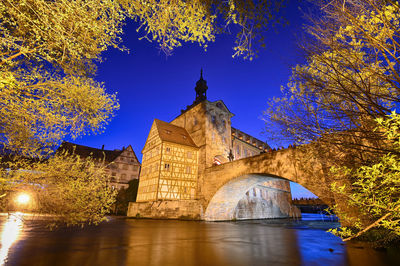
(122, 241)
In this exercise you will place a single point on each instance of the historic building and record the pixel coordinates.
(170, 162)
(177, 153)
(244, 145)
(121, 164)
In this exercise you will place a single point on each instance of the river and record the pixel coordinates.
(123, 241)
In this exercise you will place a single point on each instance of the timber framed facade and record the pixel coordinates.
(170, 164)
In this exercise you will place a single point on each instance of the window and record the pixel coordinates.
(245, 153)
(168, 149)
(189, 155)
(213, 119)
(125, 167)
(223, 123)
(194, 121)
(188, 169)
(166, 167)
(135, 167)
(113, 174)
(238, 151)
(123, 176)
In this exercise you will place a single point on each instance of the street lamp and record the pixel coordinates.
(23, 198)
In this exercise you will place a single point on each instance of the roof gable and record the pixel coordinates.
(172, 133)
(153, 131)
(221, 105)
(127, 152)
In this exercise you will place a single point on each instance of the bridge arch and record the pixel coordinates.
(224, 185)
(224, 205)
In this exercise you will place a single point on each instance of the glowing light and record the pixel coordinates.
(23, 198)
(9, 235)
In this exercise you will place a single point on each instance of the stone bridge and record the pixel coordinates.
(221, 187)
(224, 185)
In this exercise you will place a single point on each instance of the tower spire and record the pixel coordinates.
(201, 88)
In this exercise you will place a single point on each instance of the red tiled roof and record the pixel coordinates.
(172, 133)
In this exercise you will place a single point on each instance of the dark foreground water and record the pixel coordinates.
(122, 241)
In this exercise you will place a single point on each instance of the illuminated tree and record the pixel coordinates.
(171, 22)
(350, 81)
(375, 193)
(72, 189)
(48, 55)
(48, 51)
(351, 77)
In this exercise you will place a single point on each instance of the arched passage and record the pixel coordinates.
(284, 164)
(224, 205)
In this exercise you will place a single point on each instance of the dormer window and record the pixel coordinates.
(213, 119)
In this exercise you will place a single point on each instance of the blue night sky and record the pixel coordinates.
(151, 85)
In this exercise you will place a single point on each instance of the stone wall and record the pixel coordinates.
(263, 202)
(167, 209)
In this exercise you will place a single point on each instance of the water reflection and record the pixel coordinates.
(151, 242)
(9, 234)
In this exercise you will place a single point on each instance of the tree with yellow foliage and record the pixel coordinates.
(351, 81)
(48, 55)
(48, 51)
(71, 190)
(171, 22)
(351, 78)
(374, 192)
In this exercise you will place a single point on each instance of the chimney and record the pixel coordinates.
(102, 147)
